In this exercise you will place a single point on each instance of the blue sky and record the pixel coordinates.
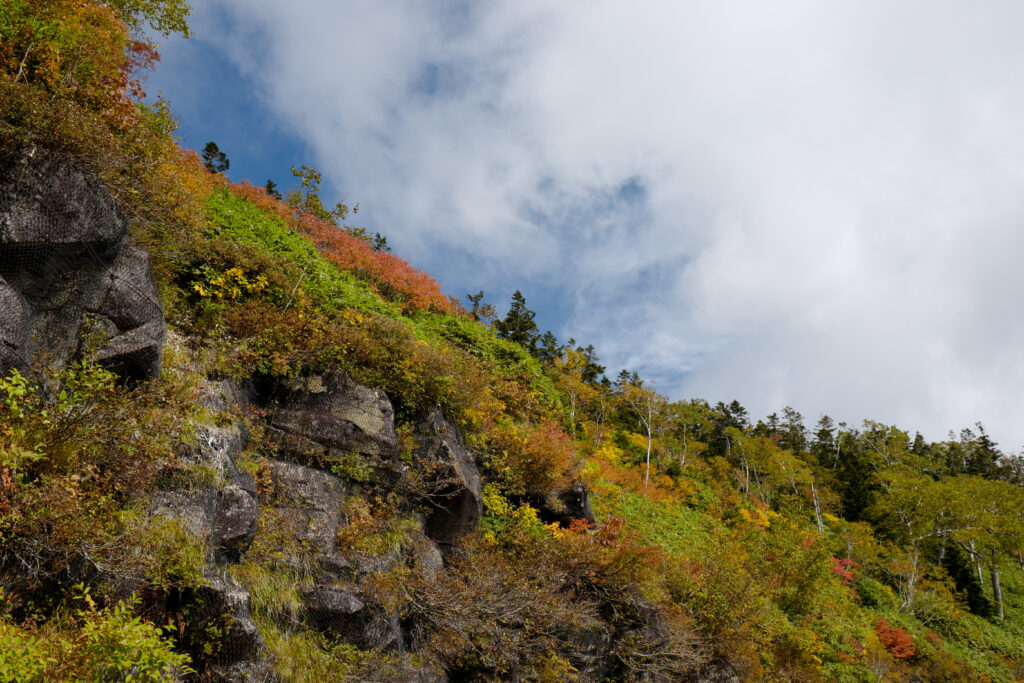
(799, 202)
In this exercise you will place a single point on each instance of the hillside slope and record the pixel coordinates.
(240, 442)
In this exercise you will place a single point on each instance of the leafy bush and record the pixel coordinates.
(528, 459)
(89, 642)
(76, 463)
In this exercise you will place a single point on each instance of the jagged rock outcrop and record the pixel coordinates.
(307, 503)
(239, 654)
(326, 420)
(70, 282)
(456, 500)
(217, 501)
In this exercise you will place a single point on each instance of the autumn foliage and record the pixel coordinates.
(393, 276)
(896, 640)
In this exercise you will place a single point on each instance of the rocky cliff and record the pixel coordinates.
(283, 479)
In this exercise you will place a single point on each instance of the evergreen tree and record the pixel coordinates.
(855, 476)
(794, 434)
(961, 569)
(548, 349)
(518, 325)
(824, 447)
(723, 418)
(215, 160)
(271, 188)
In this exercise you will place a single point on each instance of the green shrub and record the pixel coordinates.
(89, 642)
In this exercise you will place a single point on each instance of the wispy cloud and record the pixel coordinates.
(813, 203)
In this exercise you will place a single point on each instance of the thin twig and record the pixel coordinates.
(295, 288)
(21, 67)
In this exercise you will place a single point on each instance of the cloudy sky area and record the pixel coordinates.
(806, 203)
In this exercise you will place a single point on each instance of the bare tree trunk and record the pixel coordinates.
(908, 590)
(647, 472)
(1020, 560)
(817, 509)
(572, 414)
(997, 590)
(977, 563)
(298, 282)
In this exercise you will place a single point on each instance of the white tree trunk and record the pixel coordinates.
(647, 473)
(817, 509)
(997, 590)
(977, 563)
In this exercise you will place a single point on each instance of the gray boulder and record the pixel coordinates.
(216, 501)
(307, 503)
(14, 327)
(235, 518)
(47, 202)
(213, 498)
(221, 632)
(567, 504)
(70, 283)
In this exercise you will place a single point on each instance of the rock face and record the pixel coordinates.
(458, 503)
(217, 501)
(327, 420)
(307, 502)
(69, 280)
(222, 506)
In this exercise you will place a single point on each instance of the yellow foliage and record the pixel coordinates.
(494, 502)
(231, 284)
(757, 517)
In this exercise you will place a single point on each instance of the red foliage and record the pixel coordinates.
(609, 534)
(394, 277)
(579, 526)
(898, 642)
(695, 570)
(844, 569)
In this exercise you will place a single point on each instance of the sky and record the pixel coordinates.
(808, 203)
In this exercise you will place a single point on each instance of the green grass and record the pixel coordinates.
(675, 527)
(235, 219)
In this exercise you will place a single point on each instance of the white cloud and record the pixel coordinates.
(813, 203)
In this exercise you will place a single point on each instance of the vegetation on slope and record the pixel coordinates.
(841, 553)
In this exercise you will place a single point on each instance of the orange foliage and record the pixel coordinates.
(660, 489)
(82, 50)
(530, 459)
(394, 277)
(897, 641)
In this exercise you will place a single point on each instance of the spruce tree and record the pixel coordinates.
(518, 325)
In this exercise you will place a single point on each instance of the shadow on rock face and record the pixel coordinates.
(458, 504)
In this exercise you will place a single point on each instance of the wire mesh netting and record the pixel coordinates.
(69, 281)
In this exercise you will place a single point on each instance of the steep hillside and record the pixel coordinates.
(241, 441)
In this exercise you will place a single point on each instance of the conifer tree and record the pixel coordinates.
(215, 160)
(518, 325)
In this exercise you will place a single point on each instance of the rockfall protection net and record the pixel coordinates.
(68, 276)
